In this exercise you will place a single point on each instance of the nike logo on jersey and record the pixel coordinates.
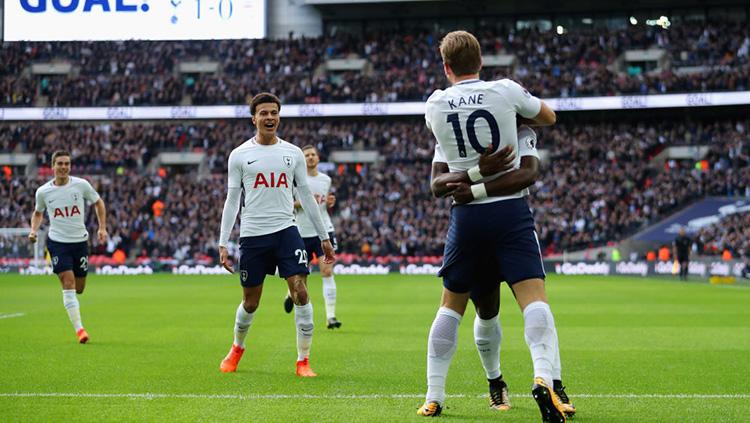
(249, 163)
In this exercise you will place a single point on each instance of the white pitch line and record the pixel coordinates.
(149, 396)
(8, 316)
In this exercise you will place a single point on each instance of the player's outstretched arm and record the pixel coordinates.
(507, 184)
(489, 164)
(101, 217)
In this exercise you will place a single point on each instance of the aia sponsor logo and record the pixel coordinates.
(66, 211)
(271, 181)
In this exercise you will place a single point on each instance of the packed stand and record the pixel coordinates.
(598, 185)
(403, 66)
(731, 233)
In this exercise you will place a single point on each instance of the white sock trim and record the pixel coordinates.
(449, 312)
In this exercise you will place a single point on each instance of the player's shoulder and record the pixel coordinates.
(243, 148)
(436, 96)
(43, 188)
(324, 177)
(524, 131)
(76, 180)
(289, 147)
(510, 86)
(504, 82)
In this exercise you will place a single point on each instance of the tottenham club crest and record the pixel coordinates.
(243, 275)
(75, 197)
(288, 161)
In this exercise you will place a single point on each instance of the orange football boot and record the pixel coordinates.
(230, 362)
(304, 370)
(83, 336)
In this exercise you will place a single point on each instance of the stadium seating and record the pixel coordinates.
(599, 184)
(398, 66)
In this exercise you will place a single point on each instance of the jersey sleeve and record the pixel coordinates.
(300, 170)
(329, 182)
(40, 204)
(89, 193)
(439, 156)
(527, 142)
(526, 104)
(234, 166)
(427, 120)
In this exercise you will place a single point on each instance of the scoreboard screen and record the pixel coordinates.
(99, 20)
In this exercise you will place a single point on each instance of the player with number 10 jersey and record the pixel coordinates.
(492, 237)
(471, 114)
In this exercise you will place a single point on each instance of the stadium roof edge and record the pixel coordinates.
(630, 102)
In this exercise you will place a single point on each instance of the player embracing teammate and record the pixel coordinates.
(491, 237)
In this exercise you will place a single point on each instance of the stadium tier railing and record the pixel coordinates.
(628, 102)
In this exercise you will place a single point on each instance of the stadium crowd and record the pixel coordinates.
(598, 184)
(401, 66)
(731, 233)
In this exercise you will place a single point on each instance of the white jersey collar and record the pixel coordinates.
(468, 81)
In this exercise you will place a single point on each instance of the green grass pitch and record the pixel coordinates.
(639, 350)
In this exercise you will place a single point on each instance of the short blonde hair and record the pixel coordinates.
(461, 51)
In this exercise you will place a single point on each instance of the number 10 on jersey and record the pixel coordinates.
(472, 133)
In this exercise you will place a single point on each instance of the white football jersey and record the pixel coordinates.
(267, 174)
(320, 185)
(473, 114)
(65, 206)
(526, 147)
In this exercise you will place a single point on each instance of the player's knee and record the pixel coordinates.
(250, 305)
(300, 297)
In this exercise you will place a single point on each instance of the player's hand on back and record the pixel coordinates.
(329, 253)
(224, 259)
(491, 164)
(461, 192)
(330, 200)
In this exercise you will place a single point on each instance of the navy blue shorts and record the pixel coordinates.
(69, 256)
(313, 245)
(488, 244)
(261, 255)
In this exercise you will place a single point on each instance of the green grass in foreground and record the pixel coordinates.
(166, 335)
